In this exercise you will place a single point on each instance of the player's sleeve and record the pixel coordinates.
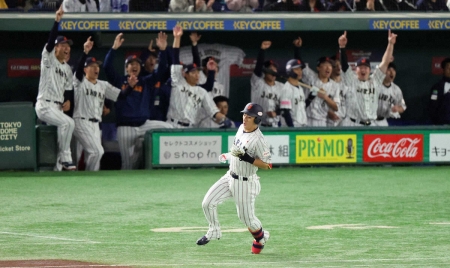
(348, 77)
(308, 75)
(68, 86)
(285, 98)
(48, 58)
(208, 104)
(262, 150)
(52, 37)
(111, 92)
(378, 77)
(209, 84)
(259, 63)
(111, 75)
(399, 98)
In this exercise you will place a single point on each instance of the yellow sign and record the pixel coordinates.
(325, 149)
(395, 24)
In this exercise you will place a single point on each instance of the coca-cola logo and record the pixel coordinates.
(393, 148)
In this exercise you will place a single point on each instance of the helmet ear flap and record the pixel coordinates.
(257, 120)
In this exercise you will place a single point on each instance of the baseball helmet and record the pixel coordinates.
(266, 67)
(292, 64)
(254, 110)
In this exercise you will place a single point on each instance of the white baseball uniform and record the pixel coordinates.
(317, 111)
(77, 6)
(224, 55)
(389, 96)
(267, 96)
(186, 101)
(362, 97)
(218, 90)
(240, 183)
(342, 106)
(56, 77)
(293, 98)
(89, 100)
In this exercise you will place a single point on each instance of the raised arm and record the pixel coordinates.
(113, 77)
(195, 37)
(342, 41)
(211, 66)
(177, 33)
(54, 32)
(392, 38)
(260, 60)
(87, 46)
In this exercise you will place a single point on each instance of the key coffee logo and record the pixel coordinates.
(393, 148)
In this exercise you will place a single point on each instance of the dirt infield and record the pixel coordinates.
(54, 264)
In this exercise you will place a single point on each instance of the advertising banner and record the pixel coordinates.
(190, 149)
(393, 148)
(439, 147)
(24, 67)
(326, 148)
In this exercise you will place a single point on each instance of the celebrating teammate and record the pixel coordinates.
(364, 91)
(133, 112)
(248, 153)
(328, 98)
(265, 91)
(187, 97)
(56, 77)
(90, 94)
(335, 118)
(390, 102)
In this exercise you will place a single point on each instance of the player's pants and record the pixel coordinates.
(176, 124)
(88, 134)
(244, 194)
(347, 122)
(52, 114)
(131, 141)
(316, 123)
(331, 123)
(380, 123)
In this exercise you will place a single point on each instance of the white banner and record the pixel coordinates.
(189, 149)
(278, 146)
(439, 147)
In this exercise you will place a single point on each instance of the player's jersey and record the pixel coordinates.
(362, 96)
(77, 6)
(267, 96)
(55, 78)
(318, 109)
(89, 98)
(218, 88)
(293, 98)
(389, 96)
(255, 145)
(224, 55)
(342, 106)
(186, 100)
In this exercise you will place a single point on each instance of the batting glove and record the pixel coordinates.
(236, 151)
(314, 91)
(223, 158)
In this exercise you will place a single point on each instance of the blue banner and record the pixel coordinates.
(409, 24)
(161, 25)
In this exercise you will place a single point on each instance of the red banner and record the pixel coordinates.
(436, 65)
(393, 148)
(248, 65)
(24, 67)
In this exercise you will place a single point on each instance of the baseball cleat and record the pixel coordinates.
(68, 166)
(202, 241)
(258, 246)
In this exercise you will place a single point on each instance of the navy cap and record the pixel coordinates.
(146, 54)
(363, 61)
(92, 60)
(62, 39)
(269, 63)
(392, 65)
(132, 58)
(324, 59)
(445, 62)
(191, 67)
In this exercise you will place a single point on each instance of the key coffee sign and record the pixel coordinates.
(393, 148)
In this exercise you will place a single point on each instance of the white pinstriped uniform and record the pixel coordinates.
(342, 106)
(293, 98)
(267, 96)
(224, 55)
(243, 192)
(186, 101)
(317, 111)
(389, 96)
(218, 90)
(362, 97)
(89, 100)
(55, 78)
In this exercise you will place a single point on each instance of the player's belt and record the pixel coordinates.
(91, 119)
(236, 177)
(180, 123)
(380, 118)
(364, 123)
(57, 102)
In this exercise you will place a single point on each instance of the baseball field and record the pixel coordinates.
(317, 217)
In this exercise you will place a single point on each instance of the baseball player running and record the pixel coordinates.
(364, 91)
(329, 98)
(390, 102)
(56, 77)
(335, 118)
(248, 153)
(133, 112)
(187, 97)
(90, 94)
(266, 90)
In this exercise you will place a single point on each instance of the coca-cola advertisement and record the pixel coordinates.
(393, 148)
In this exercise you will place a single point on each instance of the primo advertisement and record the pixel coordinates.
(326, 148)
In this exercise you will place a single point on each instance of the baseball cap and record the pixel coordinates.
(146, 54)
(363, 61)
(266, 67)
(324, 59)
(132, 58)
(191, 67)
(62, 39)
(205, 60)
(445, 62)
(392, 65)
(92, 60)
